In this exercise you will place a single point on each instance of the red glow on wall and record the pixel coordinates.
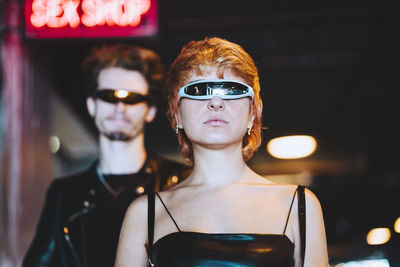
(90, 18)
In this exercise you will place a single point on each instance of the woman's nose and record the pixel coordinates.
(216, 104)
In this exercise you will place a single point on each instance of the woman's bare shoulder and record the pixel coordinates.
(290, 189)
(312, 202)
(133, 234)
(138, 207)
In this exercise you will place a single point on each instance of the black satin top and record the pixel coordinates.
(193, 249)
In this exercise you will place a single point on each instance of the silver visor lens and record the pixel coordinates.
(207, 89)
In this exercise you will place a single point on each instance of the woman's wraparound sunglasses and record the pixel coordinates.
(207, 89)
(121, 95)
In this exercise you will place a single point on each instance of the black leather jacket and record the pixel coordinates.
(69, 202)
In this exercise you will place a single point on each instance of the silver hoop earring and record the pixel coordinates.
(248, 131)
(177, 128)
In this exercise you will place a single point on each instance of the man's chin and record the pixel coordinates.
(119, 136)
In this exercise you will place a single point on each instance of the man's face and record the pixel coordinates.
(119, 121)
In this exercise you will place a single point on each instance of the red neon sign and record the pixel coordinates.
(90, 18)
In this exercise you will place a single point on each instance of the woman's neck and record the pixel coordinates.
(219, 167)
(120, 157)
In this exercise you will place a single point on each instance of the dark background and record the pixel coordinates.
(327, 68)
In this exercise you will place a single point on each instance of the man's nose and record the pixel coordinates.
(216, 104)
(121, 106)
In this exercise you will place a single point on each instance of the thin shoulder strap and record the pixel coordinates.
(150, 226)
(150, 222)
(162, 202)
(302, 221)
(290, 211)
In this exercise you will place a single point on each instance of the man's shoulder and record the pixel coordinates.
(75, 179)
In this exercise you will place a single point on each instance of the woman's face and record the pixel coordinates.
(215, 122)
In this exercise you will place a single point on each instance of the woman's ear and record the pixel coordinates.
(252, 116)
(91, 106)
(178, 120)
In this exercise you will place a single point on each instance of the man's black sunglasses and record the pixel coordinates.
(121, 95)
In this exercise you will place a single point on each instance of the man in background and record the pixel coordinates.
(82, 216)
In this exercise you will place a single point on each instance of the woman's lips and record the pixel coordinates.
(215, 122)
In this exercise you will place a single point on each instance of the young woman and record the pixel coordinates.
(223, 214)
